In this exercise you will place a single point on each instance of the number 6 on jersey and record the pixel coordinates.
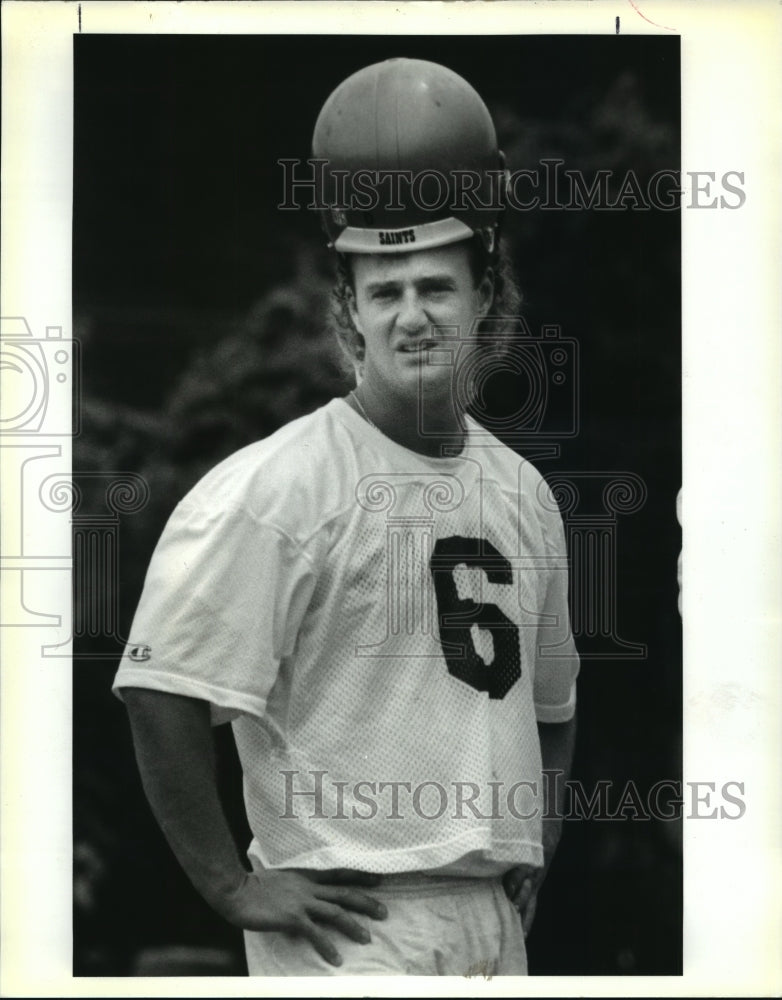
(456, 616)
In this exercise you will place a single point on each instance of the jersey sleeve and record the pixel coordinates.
(557, 661)
(221, 607)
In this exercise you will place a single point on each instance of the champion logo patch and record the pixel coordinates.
(139, 653)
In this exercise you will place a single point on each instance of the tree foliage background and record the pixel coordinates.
(201, 309)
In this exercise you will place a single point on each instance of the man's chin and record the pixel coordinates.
(433, 384)
(422, 383)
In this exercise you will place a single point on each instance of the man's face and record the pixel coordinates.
(399, 302)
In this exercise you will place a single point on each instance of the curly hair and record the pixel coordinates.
(495, 330)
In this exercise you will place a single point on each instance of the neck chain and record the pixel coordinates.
(372, 423)
(362, 411)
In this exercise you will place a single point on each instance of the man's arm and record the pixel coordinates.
(557, 743)
(175, 754)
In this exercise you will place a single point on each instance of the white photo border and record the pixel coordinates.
(731, 95)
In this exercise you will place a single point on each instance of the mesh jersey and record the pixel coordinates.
(383, 629)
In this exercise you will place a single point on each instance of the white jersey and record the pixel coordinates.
(383, 629)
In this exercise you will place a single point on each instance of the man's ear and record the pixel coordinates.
(351, 298)
(485, 291)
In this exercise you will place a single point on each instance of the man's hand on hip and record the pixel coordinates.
(302, 903)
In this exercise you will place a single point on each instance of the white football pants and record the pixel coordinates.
(436, 926)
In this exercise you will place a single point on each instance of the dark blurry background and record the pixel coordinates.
(200, 308)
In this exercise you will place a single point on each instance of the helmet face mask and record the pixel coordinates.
(410, 160)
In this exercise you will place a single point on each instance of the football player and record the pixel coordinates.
(375, 596)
